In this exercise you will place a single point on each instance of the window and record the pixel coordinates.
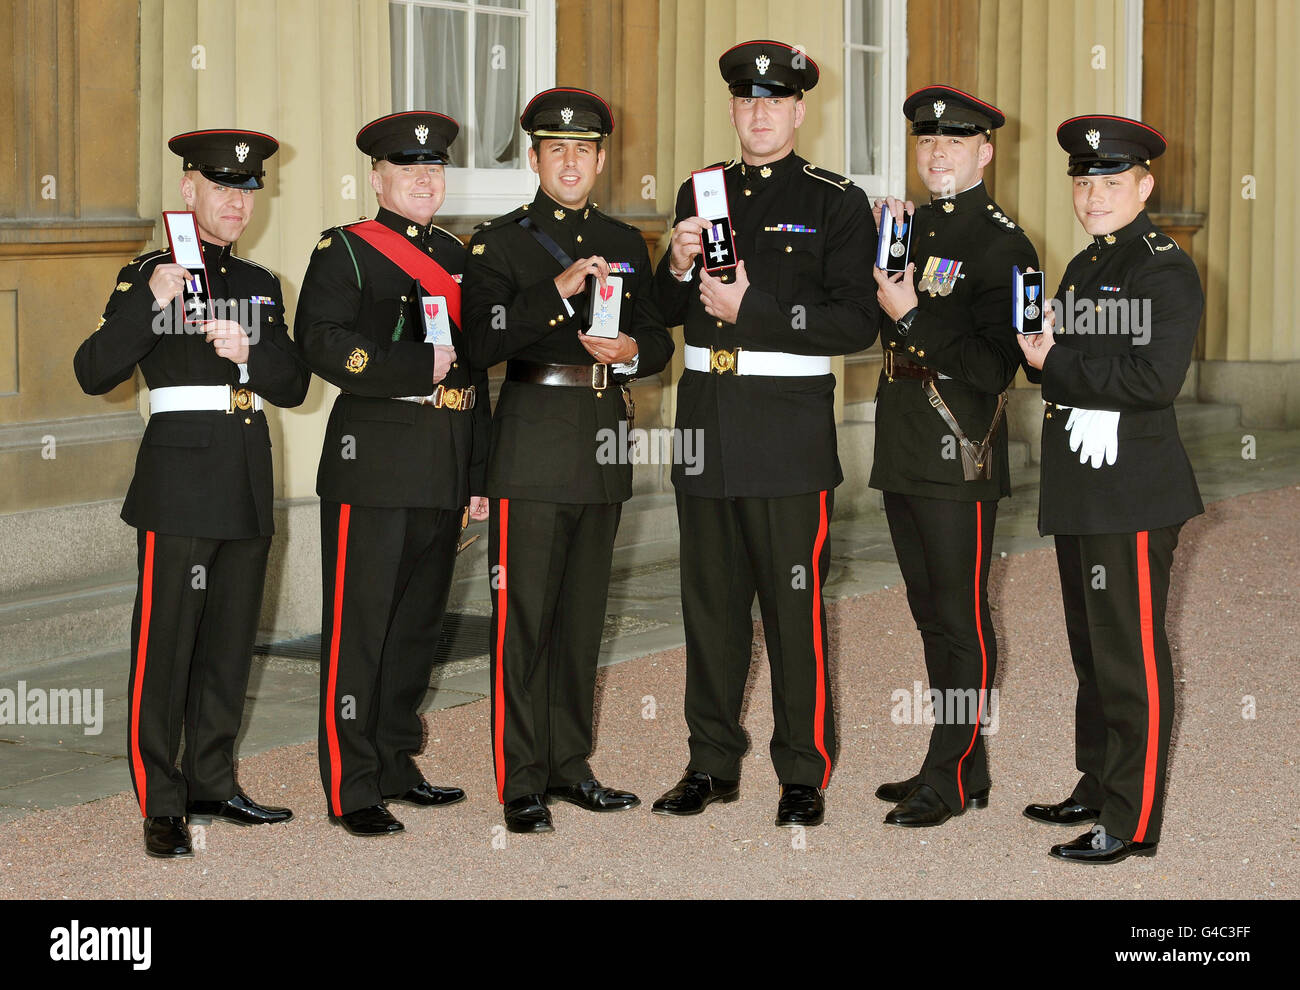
(478, 61)
(875, 55)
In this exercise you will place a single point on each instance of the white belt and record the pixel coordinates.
(203, 398)
(739, 361)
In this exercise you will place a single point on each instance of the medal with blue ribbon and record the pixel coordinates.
(1031, 311)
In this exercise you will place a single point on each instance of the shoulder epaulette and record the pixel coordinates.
(1158, 241)
(614, 220)
(448, 233)
(838, 181)
(256, 265)
(149, 256)
(514, 214)
(993, 213)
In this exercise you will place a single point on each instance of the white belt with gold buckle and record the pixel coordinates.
(738, 361)
(203, 398)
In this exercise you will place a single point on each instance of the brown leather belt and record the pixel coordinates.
(897, 366)
(594, 376)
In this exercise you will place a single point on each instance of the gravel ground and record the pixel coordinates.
(1230, 824)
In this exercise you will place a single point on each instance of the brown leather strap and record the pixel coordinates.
(573, 375)
(897, 366)
(936, 400)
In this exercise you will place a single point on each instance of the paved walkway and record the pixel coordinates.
(1230, 829)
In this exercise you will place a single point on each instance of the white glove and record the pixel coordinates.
(1094, 434)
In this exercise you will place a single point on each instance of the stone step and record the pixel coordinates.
(65, 621)
(1203, 419)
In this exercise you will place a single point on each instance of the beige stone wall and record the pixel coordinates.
(308, 72)
(1245, 92)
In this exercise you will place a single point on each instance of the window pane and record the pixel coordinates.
(498, 81)
(865, 84)
(866, 22)
(512, 4)
(441, 70)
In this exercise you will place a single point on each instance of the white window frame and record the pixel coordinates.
(490, 191)
(888, 113)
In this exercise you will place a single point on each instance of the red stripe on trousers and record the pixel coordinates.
(499, 692)
(984, 656)
(331, 726)
(819, 712)
(1147, 625)
(141, 651)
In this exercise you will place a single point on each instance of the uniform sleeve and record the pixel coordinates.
(986, 356)
(124, 337)
(501, 317)
(847, 319)
(275, 371)
(481, 432)
(653, 341)
(1152, 373)
(329, 339)
(671, 296)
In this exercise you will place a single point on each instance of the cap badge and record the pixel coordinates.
(939, 108)
(566, 115)
(421, 133)
(1093, 137)
(241, 151)
(762, 63)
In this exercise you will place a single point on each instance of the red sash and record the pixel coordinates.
(410, 259)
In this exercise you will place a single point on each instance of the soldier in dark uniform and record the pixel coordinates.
(1116, 483)
(201, 498)
(404, 452)
(758, 389)
(948, 333)
(556, 495)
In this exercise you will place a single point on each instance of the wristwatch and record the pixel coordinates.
(904, 323)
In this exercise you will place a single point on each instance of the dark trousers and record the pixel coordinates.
(196, 611)
(1115, 589)
(549, 577)
(943, 549)
(386, 576)
(779, 548)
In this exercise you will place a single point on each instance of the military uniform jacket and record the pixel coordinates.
(359, 327)
(201, 473)
(968, 335)
(1139, 373)
(807, 240)
(546, 438)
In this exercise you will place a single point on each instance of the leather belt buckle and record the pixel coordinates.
(600, 377)
(241, 399)
(723, 362)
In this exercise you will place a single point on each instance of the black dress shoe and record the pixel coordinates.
(695, 792)
(898, 790)
(1068, 812)
(167, 838)
(923, 808)
(594, 796)
(426, 795)
(238, 810)
(800, 805)
(976, 800)
(1100, 848)
(528, 814)
(368, 822)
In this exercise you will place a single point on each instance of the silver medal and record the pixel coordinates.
(897, 249)
(1031, 312)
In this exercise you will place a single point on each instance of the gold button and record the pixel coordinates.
(719, 323)
(911, 348)
(455, 364)
(599, 394)
(223, 269)
(628, 294)
(920, 353)
(932, 233)
(788, 249)
(579, 238)
(723, 277)
(1049, 415)
(1093, 258)
(1071, 286)
(560, 318)
(403, 298)
(552, 323)
(748, 193)
(270, 320)
(247, 420)
(892, 344)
